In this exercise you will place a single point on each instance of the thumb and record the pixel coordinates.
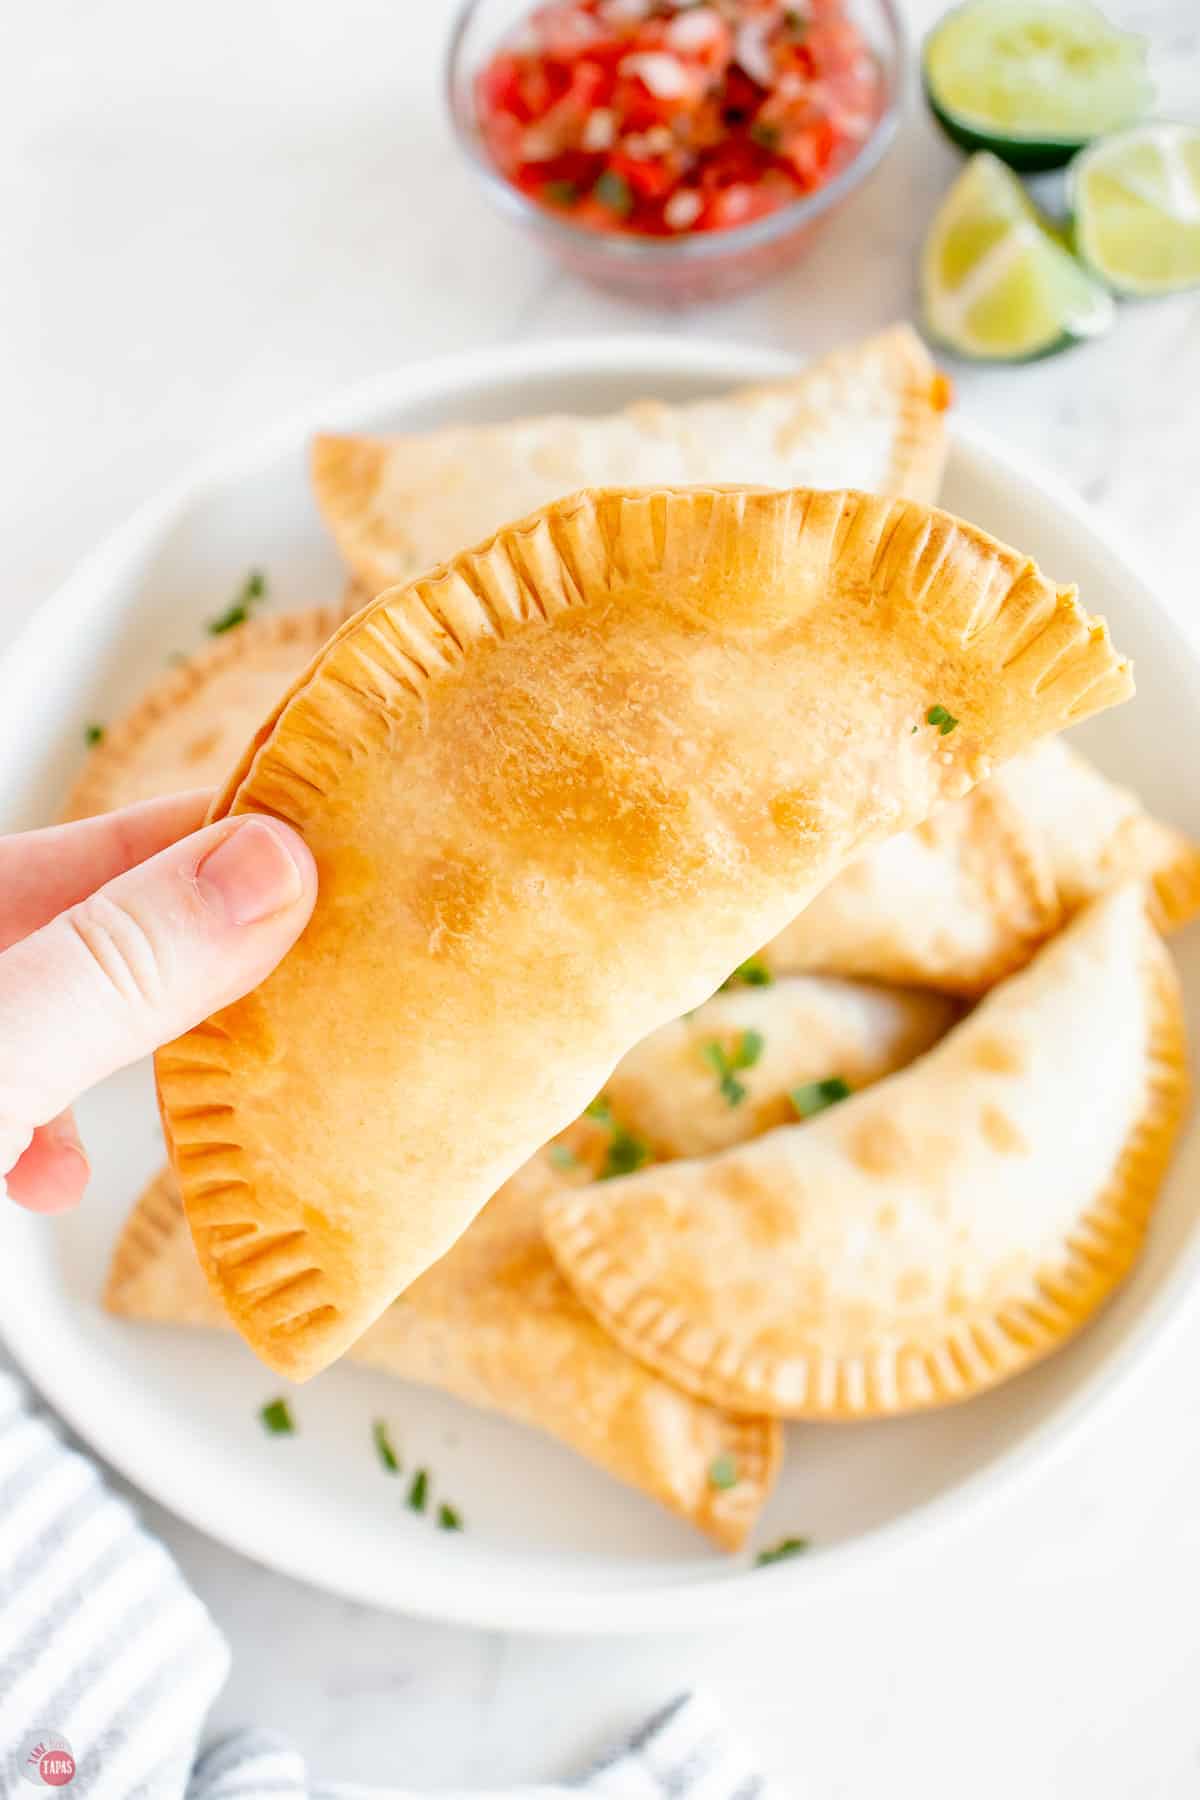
(143, 959)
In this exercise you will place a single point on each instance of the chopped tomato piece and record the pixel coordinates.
(659, 117)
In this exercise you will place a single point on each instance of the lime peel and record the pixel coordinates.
(1032, 80)
(996, 284)
(1136, 201)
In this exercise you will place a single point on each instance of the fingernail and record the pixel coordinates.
(65, 1133)
(251, 874)
(72, 1155)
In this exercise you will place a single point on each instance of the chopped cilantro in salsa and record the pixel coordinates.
(670, 117)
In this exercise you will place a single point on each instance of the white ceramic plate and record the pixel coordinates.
(551, 1544)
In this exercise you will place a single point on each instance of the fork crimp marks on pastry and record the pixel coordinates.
(495, 1325)
(871, 416)
(194, 718)
(647, 726)
(965, 899)
(929, 1237)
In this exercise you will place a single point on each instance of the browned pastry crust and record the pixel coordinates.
(870, 416)
(556, 789)
(192, 722)
(930, 1237)
(496, 1325)
(966, 898)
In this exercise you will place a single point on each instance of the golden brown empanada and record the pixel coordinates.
(495, 1324)
(724, 1073)
(966, 898)
(1096, 835)
(194, 720)
(556, 790)
(930, 1237)
(871, 416)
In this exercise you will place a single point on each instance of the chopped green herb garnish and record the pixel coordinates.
(722, 1472)
(612, 190)
(752, 973)
(561, 193)
(914, 731)
(252, 591)
(93, 734)
(766, 135)
(448, 1519)
(626, 1152)
(384, 1447)
(725, 1064)
(781, 1551)
(945, 721)
(562, 1156)
(276, 1415)
(815, 1096)
(418, 1492)
(795, 21)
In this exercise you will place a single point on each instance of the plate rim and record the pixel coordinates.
(727, 1596)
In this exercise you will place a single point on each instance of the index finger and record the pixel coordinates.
(44, 872)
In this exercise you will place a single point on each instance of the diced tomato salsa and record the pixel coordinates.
(660, 117)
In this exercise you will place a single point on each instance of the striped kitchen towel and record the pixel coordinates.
(109, 1664)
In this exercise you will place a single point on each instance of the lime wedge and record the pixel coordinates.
(995, 284)
(1032, 80)
(1136, 200)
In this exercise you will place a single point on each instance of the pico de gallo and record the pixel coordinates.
(660, 117)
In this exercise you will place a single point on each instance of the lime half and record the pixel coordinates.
(1136, 200)
(1033, 80)
(995, 284)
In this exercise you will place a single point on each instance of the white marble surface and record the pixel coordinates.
(210, 216)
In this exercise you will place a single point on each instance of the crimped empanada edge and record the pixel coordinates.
(346, 468)
(173, 689)
(1173, 882)
(976, 1355)
(155, 1217)
(726, 1515)
(919, 454)
(1035, 648)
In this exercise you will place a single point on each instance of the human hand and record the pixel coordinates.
(116, 935)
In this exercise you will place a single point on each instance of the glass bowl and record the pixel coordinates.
(669, 271)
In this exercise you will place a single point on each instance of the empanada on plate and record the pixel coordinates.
(193, 722)
(1096, 835)
(871, 416)
(726, 1072)
(556, 790)
(923, 1240)
(966, 898)
(495, 1324)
